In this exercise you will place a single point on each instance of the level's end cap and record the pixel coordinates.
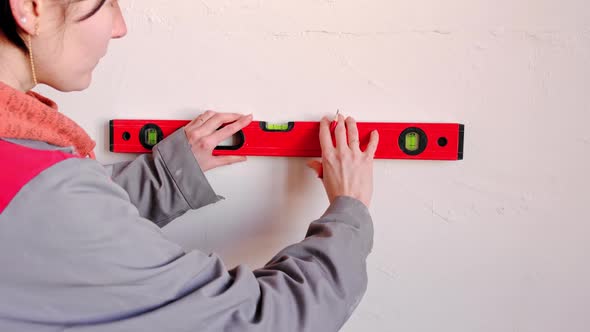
(461, 141)
(111, 135)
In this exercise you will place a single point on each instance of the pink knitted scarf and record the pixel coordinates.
(32, 116)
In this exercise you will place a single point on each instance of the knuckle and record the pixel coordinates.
(210, 143)
(344, 156)
(194, 135)
(329, 163)
(202, 145)
(329, 155)
(205, 143)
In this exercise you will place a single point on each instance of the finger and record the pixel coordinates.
(230, 130)
(317, 167)
(340, 133)
(205, 117)
(373, 143)
(199, 120)
(217, 120)
(325, 135)
(353, 134)
(227, 160)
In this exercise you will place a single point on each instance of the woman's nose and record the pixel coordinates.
(119, 26)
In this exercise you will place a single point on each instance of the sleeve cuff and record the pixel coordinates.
(182, 166)
(349, 211)
(349, 206)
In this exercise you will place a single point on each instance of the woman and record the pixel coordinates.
(80, 244)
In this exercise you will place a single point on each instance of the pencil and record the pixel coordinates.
(335, 121)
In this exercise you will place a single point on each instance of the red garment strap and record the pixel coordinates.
(20, 165)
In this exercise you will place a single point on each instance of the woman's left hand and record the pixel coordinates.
(204, 134)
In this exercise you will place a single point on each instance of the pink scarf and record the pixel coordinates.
(32, 116)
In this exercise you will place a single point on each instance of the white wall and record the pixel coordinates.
(497, 242)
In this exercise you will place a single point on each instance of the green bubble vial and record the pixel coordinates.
(277, 126)
(412, 140)
(151, 136)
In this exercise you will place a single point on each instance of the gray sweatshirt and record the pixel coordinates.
(81, 250)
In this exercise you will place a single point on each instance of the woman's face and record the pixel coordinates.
(67, 50)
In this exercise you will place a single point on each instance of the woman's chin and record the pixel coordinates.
(82, 84)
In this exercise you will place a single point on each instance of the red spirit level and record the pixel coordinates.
(431, 141)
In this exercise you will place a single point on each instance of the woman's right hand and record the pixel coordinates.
(204, 135)
(345, 169)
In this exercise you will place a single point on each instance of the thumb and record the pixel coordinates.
(317, 167)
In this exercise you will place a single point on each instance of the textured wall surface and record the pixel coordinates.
(497, 242)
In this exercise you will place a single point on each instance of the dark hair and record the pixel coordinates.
(9, 27)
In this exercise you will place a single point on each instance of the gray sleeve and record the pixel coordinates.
(94, 264)
(166, 183)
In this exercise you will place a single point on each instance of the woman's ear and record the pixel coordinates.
(26, 14)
